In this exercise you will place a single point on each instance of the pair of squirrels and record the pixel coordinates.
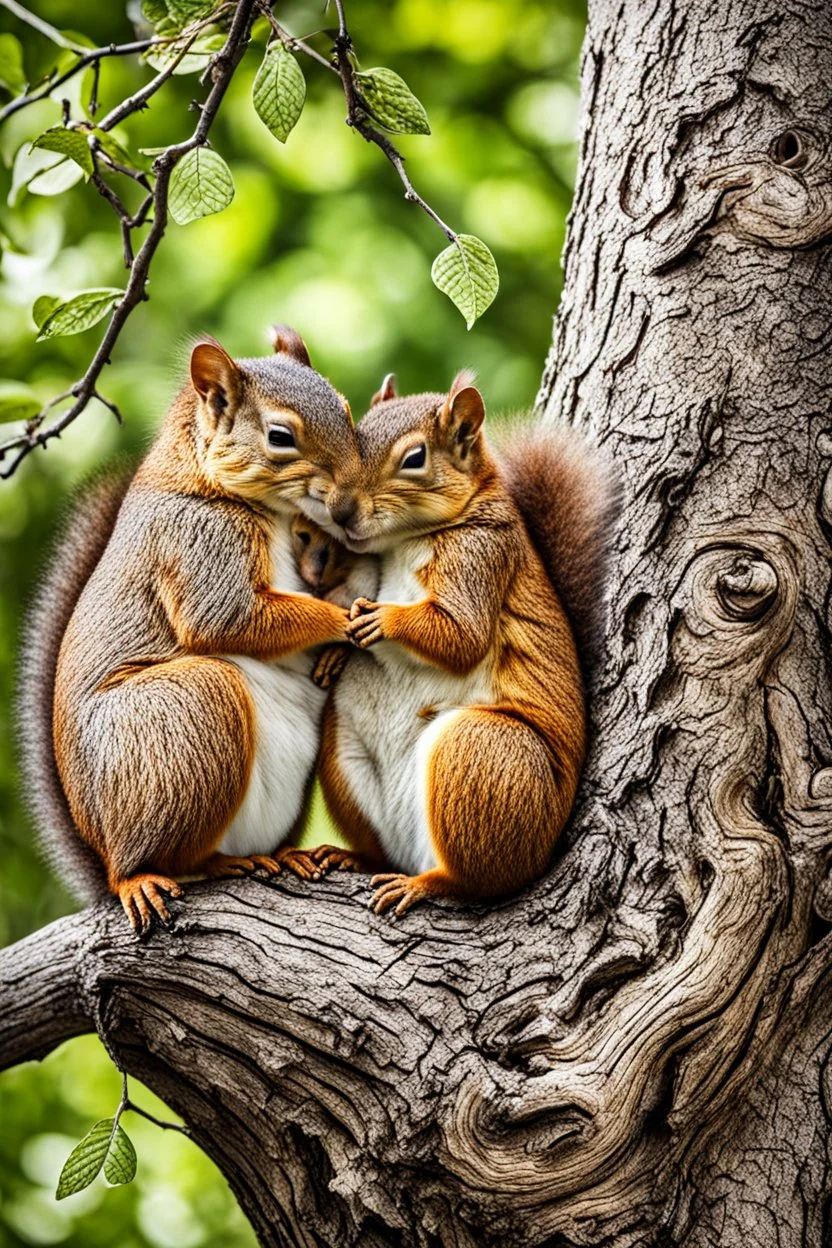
(275, 589)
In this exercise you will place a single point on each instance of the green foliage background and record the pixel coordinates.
(318, 236)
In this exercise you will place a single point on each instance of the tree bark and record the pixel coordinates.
(636, 1051)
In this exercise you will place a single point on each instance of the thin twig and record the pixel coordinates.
(223, 67)
(358, 120)
(294, 44)
(96, 75)
(134, 103)
(40, 25)
(86, 57)
(157, 1122)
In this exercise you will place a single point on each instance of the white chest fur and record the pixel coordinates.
(287, 711)
(384, 743)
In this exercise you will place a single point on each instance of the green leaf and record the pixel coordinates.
(75, 315)
(12, 73)
(44, 306)
(467, 273)
(200, 185)
(120, 1162)
(155, 12)
(71, 143)
(17, 401)
(185, 11)
(388, 99)
(86, 1159)
(56, 179)
(279, 91)
(42, 173)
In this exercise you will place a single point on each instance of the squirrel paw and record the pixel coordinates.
(403, 891)
(231, 866)
(299, 861)
(330, 858)
(330, 665)
(141, 897)
(365, 627)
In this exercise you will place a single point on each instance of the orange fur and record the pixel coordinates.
(501, 775)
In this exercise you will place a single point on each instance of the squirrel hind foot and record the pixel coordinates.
(141, 897)
(397, 892)
(231, 866)
(331, 858)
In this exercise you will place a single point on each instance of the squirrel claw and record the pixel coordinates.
(330, 858)
(398, 892)
(231, 866)
(141, 897)
(395, 890)
(300, 862)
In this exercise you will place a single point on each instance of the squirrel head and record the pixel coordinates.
(271, 430)
(322, 562)
(422, 460)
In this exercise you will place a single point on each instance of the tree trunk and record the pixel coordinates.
(637, 1050)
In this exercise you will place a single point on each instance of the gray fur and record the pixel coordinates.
(75, 556)
(291, 384)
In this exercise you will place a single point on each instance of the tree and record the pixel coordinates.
(637, 1050)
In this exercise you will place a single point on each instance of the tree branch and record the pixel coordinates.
(357, 118)
(310, 1047)
(86, 58)
(222, 70)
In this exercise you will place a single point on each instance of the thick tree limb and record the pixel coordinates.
(637, 1051)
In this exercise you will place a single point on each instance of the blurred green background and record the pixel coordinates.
(318, 236)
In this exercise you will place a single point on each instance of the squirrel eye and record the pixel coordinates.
(415, 458)
(305, 538)
(281, 436)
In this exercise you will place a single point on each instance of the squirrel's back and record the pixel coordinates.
(569, 499)
(77, 552)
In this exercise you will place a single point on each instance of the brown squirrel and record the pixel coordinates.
(328, 568)
(453, 742)
(169, 726)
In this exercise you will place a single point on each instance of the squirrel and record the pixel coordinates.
(454, 740)
(169, 727)
(328, 568)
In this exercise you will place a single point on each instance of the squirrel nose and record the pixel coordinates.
(342, 510)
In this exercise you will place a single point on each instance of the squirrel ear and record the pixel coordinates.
(288, 341)
(387, 391)
(215, 376)
(462, 414)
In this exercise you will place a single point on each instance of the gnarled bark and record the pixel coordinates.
(636, 1051)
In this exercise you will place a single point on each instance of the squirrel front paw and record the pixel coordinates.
(329, 666)
(366, 626)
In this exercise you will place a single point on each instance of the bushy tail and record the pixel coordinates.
(89, 525)
(569, 498)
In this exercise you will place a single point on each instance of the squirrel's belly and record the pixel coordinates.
(287, 715)
(385, 715)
